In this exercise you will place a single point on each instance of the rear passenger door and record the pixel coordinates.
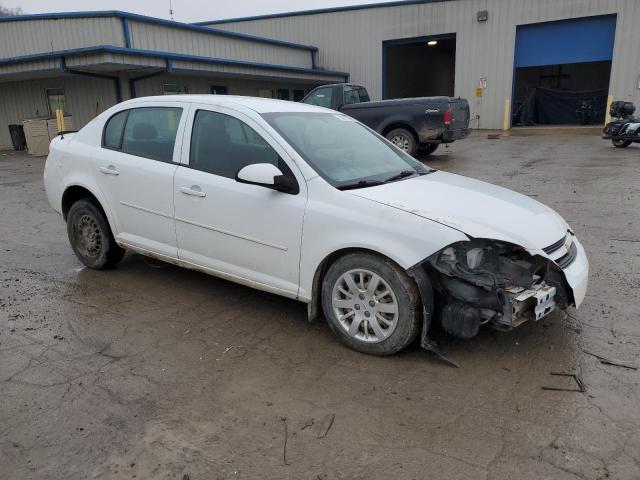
(136, 165)
(247, 233)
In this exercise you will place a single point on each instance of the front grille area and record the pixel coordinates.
(555, 246)
(566, 260)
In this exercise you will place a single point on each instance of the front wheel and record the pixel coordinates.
(371, 304)
(621, 143)
(404, 140)
(91, 237)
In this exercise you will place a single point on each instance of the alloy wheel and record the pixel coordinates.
(365, 306)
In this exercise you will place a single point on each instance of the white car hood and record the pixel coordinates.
(476, 208)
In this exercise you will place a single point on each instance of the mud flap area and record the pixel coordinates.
(425, 288)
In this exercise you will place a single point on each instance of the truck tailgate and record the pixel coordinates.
(459, 113)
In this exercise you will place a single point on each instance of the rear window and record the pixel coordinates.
(148, 132)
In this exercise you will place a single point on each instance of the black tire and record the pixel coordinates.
(408, 319)
(403, 139)
(621, 143)
(429, 148)
(90, 236)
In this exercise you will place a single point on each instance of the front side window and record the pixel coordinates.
(321, 97)
(223, 145)
(148, 132)
(342, 150)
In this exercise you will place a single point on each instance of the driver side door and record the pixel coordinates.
(247, 233)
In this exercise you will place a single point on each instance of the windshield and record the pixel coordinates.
(343, 151)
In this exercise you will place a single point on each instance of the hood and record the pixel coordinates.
(476, 208)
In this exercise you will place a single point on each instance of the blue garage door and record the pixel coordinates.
(588, 39)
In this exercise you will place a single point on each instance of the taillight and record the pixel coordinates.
(447, 116)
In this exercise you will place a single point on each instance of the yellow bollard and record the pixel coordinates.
(507, 112)
(607, 116)
(60, 120)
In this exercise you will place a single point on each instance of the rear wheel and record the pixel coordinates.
(371, 304)
(621, 143)
(429, 148)
(404, 140)
(91, 237)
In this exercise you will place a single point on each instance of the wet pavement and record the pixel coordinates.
(151, 371)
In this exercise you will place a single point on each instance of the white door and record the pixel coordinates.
(248, 233)
(135, 173)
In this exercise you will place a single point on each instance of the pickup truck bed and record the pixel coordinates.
(410, 123)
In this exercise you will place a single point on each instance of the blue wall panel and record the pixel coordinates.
(588, 39)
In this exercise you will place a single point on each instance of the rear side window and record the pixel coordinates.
(223, 145)
(113, 130)
(350, 96)
(364, 96)
(321, 97)
(148, 132)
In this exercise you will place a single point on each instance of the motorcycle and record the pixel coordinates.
(624, 129)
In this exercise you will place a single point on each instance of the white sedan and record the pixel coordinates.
(310, 204)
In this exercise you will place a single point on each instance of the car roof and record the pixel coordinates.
(258, 104)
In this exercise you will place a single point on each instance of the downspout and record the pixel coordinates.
(132, 81)
(116, 80)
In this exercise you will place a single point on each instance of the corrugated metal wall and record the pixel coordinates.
(252, 71)
(38, 36)
(149, 36)
(85, 97)
(352, 41)
(200, 84)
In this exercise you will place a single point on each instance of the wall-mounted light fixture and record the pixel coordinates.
(432, 43)
(483, 15)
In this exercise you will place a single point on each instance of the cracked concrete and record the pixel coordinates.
(150, 371)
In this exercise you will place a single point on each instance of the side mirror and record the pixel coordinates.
(269, 176)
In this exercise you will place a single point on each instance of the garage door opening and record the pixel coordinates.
(419, 67)
(565, 94)
(562, 71)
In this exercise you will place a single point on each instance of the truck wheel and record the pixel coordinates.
(91, 237)
(404, 140)
(429, 148)
(371, 304)
(621, 143)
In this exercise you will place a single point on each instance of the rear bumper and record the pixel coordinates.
(449, 136)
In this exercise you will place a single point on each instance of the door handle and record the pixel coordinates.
(110, 170)
(194, 191)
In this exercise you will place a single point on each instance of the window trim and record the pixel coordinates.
(124, 127)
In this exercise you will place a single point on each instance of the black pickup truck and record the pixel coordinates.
(411, 123)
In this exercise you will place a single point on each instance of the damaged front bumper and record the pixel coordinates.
(490, 282)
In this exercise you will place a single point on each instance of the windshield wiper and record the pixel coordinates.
(402, 174)
(360, 184)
